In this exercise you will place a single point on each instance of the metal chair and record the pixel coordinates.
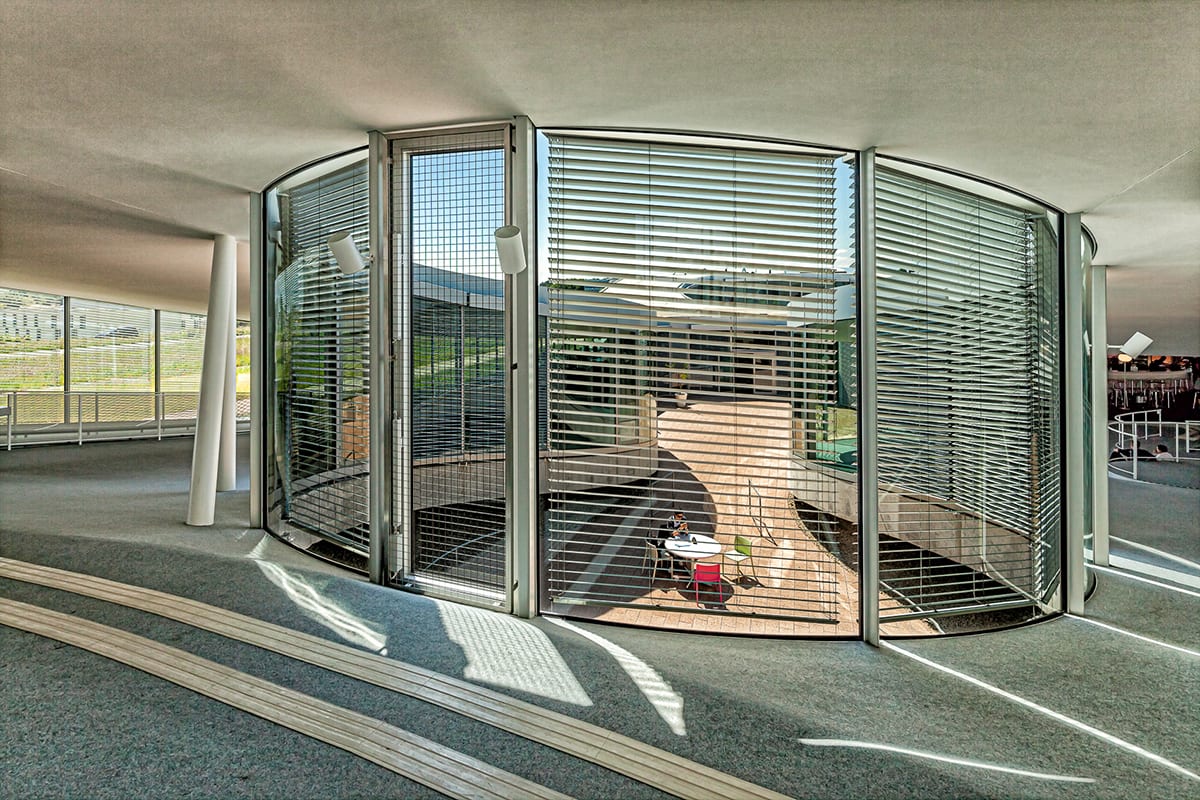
(706, 573)
(743, 552)
(653, 557)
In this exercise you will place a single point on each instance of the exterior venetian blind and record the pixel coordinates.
(181, 350)
(31, 345)
(700, 270)
(321, 352)
(112, 347)
(967, 364)
(181, 359)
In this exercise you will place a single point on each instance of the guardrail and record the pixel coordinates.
(33, 417)
(1137, 429)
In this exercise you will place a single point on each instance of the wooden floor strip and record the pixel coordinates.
(448, 771)
(655, 767)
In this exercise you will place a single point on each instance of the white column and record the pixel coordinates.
(1073, 450)
(1099, 324)
(227, 460)
(202, 499)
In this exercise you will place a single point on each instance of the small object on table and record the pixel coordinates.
(693, 547)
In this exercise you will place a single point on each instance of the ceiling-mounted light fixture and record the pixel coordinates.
(511, 249)
(1134, 346)
(345, 252)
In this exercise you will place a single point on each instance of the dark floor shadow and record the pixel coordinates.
(710, 596)
(744, 580)
(626, 576)
(676, 488)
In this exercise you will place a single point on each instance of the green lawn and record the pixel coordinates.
(99, 364)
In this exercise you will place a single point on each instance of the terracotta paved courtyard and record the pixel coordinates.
(729, 447)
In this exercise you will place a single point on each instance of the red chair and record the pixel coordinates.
(706, 573)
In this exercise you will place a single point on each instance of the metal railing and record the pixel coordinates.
(33, 417)
(1136, 430)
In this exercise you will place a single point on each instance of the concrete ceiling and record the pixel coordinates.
(131, 132)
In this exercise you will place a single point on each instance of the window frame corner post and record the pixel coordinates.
(868, 418)
(258, 401)
(1074, 444)
(66, 358)
(1098, 319)
(380, 407)
(521, 480)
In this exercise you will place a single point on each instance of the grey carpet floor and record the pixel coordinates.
(77, 725)
(1165, 518)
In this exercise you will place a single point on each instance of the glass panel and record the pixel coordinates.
(111, 347)
(318, 474)
(242, 365)
(696, 361)
(181, 351)
(31, 343)
(968, 366)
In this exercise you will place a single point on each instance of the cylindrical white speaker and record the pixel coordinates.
(345, 252)
(511, 249)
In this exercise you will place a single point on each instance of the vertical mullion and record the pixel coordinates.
(1072, 405)
(67, 358)
(1099, 389)
(521, 353)
(401, 338)
(379, 485)
(868, 406)
(258, 372)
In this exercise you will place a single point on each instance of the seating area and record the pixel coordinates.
(747, 567)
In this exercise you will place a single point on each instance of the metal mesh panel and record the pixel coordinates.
(691, 365)
(94, 407)
(448, 196)
(321, 360)
(39, 408)
(181, 405)
(460, 544)
(967, 366)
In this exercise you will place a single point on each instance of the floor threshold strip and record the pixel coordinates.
(626, 756)
(436, 766)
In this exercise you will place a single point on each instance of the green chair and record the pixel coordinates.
(743, 553)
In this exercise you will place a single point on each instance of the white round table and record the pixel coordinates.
(682, 546)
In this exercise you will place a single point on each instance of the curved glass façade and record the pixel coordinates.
(318, 390)
(694, 305)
